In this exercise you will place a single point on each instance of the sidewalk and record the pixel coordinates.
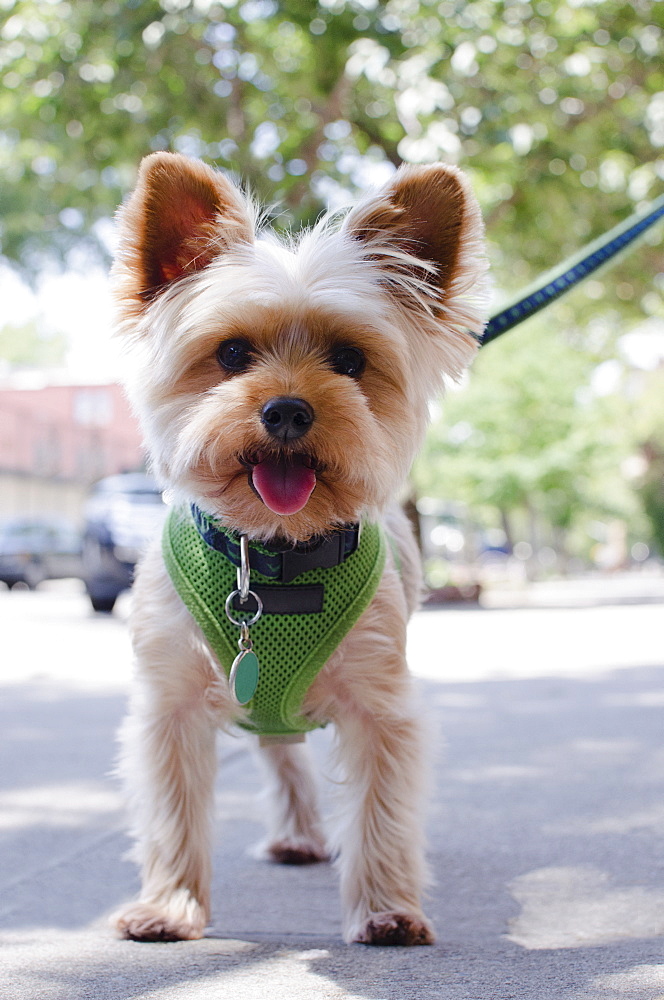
(546, 826)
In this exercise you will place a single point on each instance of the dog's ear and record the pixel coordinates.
(426, 221)
(181, 215)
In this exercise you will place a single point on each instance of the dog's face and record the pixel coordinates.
(284, 386)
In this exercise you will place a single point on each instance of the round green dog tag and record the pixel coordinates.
(243, 677)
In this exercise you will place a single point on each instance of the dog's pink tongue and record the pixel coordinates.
(283, 486)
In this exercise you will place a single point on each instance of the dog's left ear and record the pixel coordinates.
(427, 215)
(181, 215)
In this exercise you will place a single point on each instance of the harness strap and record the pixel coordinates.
(302, 624)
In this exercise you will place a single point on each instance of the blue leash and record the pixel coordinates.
(560, 280)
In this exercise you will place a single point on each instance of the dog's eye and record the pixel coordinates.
(234, 355)
(348, 361)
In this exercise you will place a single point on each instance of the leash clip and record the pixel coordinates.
(243, 570)
(243, 677)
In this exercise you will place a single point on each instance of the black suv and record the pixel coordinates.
(35, 549)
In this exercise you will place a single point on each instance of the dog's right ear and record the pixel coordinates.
(181, 215)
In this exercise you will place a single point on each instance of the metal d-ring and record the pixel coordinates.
(242, 621)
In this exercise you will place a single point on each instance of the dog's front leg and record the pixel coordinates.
(381, 858)
(169, 767)
(168, 762)
(382, 755)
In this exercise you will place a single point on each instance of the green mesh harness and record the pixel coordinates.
(292, 646)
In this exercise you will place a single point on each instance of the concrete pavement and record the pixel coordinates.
(546, 823)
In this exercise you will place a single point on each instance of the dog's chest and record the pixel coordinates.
(302, 623)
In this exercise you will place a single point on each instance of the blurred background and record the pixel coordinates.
(549, 459)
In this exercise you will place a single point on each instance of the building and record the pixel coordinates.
(56, 440)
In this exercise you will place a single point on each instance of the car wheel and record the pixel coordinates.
(102, 603)
(33, 574)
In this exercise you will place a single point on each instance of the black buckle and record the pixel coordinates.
(324, 553)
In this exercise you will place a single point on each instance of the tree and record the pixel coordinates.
(531, 443)
(556, 110)
(27, 346)
(650, 436)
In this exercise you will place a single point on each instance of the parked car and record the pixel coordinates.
(35, 549)
(122, 514)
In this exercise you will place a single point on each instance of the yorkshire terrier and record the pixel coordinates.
(283, 389)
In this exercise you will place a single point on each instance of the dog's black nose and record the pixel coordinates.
(287, 419)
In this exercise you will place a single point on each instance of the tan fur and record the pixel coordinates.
(399, 280)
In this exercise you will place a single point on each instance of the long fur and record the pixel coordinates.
(401, 279)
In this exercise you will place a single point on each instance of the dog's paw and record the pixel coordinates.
(160, 922)
(296, 851)
(389, 929)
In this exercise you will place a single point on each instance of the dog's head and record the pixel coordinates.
(283, 385)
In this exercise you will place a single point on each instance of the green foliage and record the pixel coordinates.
(25, 346)
(556, 110)
(531, 435)
(650, 434)
(652, 495)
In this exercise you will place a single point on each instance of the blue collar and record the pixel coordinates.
(277, 560)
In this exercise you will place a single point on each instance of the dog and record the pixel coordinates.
(283, 387)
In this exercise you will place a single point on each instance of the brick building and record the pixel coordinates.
(56, 440)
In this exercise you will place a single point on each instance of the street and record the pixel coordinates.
(546, 820)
